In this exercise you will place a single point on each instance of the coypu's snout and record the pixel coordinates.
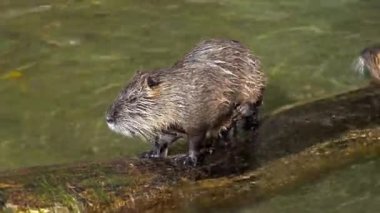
(369, 62)
(111, 117)
(117, 121)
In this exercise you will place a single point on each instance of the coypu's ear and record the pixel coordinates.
(152, 81)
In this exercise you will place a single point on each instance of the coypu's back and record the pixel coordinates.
(232, 58)
(215, 50)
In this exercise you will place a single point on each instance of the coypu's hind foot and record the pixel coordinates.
(250, 115)
(194, 157)
(187, 160)
(251, 122)
(245, 117)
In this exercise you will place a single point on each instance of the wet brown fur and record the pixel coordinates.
(195, 96)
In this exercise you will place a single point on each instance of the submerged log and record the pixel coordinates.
(296, 144)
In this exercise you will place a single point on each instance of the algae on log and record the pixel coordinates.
(293, 145)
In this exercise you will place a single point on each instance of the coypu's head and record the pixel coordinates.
(134, 111)
(369, 62)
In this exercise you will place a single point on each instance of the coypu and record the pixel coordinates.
(215, 83)
(369, 62)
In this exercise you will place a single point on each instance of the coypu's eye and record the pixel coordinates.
(152, 82)
(132, 99)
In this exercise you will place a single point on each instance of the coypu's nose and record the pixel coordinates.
(110, 119)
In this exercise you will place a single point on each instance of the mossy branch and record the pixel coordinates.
(293, 145)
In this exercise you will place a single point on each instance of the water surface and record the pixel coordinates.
(353, 189)
(62, 62)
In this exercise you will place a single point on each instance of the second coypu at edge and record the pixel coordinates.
(369, 61)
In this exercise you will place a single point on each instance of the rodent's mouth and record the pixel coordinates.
(112, 126)
(121, 130)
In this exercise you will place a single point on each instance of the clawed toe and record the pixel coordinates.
(149, 154)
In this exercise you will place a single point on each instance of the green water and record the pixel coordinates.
(354, 189)
(62, 62)
(71, 58)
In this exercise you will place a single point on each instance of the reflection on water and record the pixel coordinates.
(62, 62)
(354, 189)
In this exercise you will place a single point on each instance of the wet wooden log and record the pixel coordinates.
(296, 144)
